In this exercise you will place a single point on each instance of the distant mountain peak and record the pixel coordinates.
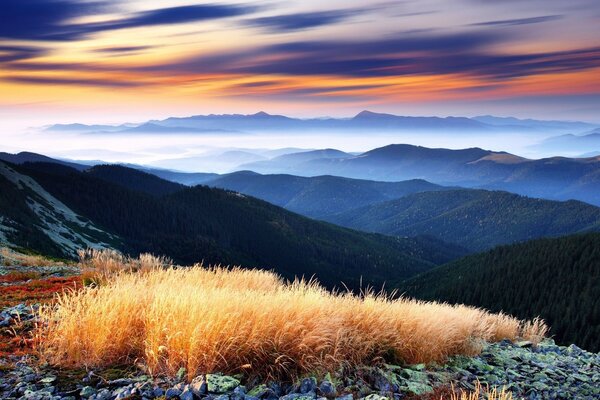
(261, 114)
(371, 114)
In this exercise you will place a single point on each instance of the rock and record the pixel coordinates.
(199, 386)
(186, 394)
(48, 379)
(258, 391)
(327, 389)
(345, 397)
(172, 393)
(120, 382)
(124, 392)
(239, 393)
(221, 383)
(87, 391)
(103, 394)
(181, 374)
(308, 385)
(158, 392)
(374, 397)
(524, 344)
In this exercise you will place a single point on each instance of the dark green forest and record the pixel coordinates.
(557, 279)
(475, 219)
(221, 227)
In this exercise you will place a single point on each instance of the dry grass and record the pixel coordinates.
(98, 266)
(235, 320)
(10, 257)
(483, 392)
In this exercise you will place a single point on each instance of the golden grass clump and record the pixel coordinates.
(99, 265)
(482, 392)
(235, 320)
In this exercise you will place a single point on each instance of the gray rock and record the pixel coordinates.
(327, 389)
(87, 391)
(308, 385)
(186, 394)
(172, 393)
(221, 383)
(158, 392)
(103, 394)
(198, 386)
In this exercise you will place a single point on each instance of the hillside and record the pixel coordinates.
(218, 226)
(556, 178)
(134, 179)
(475, 219)
(318, 196)
(557, 279)
(32, 218)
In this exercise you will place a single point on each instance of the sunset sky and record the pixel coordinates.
(116, 61)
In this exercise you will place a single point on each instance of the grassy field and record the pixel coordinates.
(249, 321)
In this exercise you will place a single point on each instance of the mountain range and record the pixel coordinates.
(474, 219)
(577, 144)
(363, 121)
(557, 178)
(318, 196)
(136, 212)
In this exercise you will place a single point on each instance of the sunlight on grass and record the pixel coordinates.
(232, 320)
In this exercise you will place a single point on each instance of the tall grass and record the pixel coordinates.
(235, 320)
(482, 392)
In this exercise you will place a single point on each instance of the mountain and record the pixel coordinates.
(364, 121)
(571, 143)
(218, 226)
(557, 178)
(295, 161)
(32, 218)
(540, 125)
(83, 128)
(475, 219)
(151, 127)
(557, 279)
(185, 178)
(318, 196)
(25, 156)
(215, 162)
(134, 179)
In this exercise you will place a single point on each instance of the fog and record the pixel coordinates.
(200, 152)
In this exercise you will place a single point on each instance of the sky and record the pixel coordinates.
(116, 61)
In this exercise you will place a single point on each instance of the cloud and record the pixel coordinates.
(51, 20)
(17, 53)
(300, 21)
(460, 53)
(122, 49)
(70, 81)
(176, 15)
(44, 19)
(519, 21)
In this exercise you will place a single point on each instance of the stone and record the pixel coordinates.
(221, 383)
(199, 386)
(181, 374)
(345, 397)
(327, 389)
(48, 379)
(158, 392)
(308, 385)
(172, 393)
(258, 391)
(186, 394)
